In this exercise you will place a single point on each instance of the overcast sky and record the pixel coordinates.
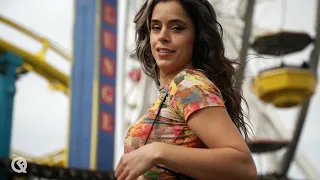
(40, 116)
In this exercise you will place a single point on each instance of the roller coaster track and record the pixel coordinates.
(36, 62)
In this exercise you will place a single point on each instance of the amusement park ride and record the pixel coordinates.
(284, 86)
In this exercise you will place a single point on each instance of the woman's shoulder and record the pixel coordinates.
(189, 79)
(191, 90)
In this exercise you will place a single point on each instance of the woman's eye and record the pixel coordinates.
(178, 28)
(155, 28)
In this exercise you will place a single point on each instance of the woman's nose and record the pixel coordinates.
(164, 36)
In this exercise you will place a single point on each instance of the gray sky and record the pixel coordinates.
(40, 116)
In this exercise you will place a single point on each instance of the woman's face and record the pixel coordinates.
(171, 37)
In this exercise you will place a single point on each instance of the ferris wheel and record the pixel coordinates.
(271, 137)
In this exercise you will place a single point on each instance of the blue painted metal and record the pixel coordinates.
(8, 64)
(107, 85)
(82, 84)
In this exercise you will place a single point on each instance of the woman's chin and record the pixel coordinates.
(166, 67)
(164, 63)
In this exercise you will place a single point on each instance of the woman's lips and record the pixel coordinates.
(164, 51)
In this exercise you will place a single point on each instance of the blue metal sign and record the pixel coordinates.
(107, 85)
(91, 142)
(80, 130)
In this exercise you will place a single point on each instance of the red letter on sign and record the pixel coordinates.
(108, 67)
(107, 94)
(108, 40)
(109, 14)
(106, 123)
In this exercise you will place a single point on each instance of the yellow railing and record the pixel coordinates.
(36, 62)
(57, 158)
(45, 42)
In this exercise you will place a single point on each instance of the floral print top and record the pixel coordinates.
(188, 92)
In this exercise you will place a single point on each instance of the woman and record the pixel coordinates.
(198, 129)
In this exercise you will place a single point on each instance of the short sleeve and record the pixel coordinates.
(191, 92)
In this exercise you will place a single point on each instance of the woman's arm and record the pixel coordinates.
(228, 156)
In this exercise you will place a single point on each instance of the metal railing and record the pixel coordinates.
(37, 61)
(44, 41)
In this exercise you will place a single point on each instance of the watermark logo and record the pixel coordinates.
(19, 165)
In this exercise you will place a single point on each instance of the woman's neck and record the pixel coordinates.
(166, 78)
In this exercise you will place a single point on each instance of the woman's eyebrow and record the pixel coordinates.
(170, 21)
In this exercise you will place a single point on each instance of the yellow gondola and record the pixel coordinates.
(286, 86)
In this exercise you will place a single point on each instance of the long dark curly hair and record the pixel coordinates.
(209, 53)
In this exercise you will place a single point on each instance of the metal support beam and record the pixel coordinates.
(245, 43)
(123, 6)
(8, 64)
(314, 58)
(314, 61)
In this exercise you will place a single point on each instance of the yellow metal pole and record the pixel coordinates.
(18, 27)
